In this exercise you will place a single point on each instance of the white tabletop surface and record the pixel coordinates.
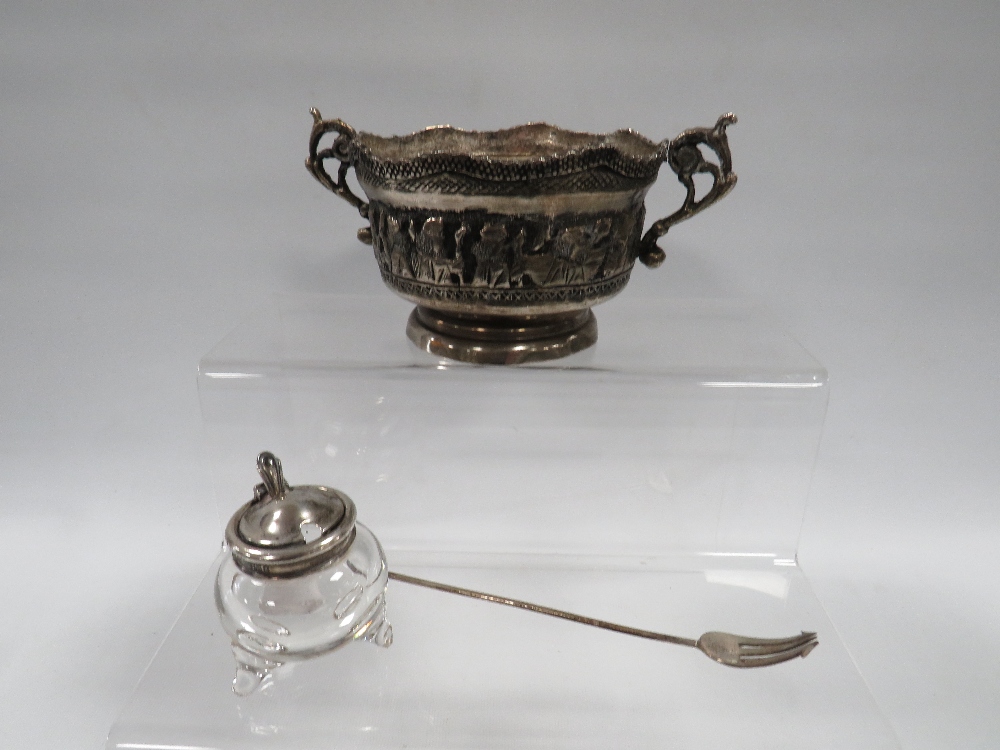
(152, 190)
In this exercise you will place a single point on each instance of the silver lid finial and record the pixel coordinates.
(269, 467)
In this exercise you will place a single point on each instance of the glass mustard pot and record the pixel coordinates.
(303, 578)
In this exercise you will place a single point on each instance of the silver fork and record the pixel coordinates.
(725, 648)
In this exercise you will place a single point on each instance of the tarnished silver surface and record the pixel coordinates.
(501, 340)
(525, 222)
(286, 531)
(725, 648)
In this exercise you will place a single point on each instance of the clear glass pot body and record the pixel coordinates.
(273, 620)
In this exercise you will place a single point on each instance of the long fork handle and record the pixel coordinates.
(543, 610)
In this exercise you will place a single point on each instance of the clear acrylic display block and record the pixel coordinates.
(658, 479)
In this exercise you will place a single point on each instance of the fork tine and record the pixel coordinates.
(764, 646)
(766, 660)
(808, 648)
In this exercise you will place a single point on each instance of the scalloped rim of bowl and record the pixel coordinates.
(530, 143)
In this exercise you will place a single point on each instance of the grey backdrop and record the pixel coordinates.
(153, 190)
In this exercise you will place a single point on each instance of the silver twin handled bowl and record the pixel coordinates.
(505, 239)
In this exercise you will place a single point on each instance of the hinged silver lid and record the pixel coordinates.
(286, 531)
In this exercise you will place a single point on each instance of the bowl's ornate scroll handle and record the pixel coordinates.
(686, 159)
(342, 150)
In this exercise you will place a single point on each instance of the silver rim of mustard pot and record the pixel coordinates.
(287, 531)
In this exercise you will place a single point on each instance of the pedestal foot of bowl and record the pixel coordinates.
(497, 340)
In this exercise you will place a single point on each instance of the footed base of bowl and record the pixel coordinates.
(495, 340)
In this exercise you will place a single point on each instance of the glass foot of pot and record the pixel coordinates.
(494, 340)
